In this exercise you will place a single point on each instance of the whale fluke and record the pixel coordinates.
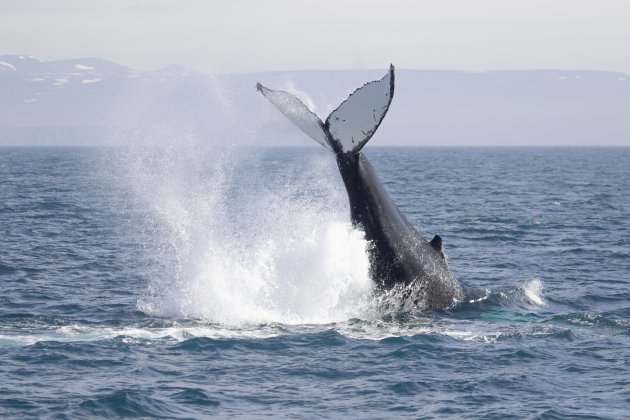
(349, 127)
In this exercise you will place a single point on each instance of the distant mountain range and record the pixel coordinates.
(91, 101)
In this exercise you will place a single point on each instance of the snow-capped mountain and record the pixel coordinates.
(95, 101)
(38, 93)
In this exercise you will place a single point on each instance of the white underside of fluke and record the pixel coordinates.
(349, 127)
(298, 113)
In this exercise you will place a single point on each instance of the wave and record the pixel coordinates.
(138, 335)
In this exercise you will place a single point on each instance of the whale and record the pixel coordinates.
(409, 271)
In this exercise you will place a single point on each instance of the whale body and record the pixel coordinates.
(409, 271)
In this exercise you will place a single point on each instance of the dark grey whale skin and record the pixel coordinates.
(399, 256)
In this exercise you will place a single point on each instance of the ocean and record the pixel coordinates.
(192, 282)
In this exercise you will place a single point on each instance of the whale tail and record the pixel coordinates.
(349, 127)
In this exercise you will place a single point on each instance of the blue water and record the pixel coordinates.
(187, 283)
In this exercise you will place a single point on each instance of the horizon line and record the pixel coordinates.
(438, 69)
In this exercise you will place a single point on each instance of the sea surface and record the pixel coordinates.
(192, 282)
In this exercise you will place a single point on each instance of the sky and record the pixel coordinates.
(253, 35)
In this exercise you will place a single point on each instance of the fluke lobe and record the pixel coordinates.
(410, 272)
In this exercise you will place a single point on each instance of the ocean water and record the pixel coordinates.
(189, 282)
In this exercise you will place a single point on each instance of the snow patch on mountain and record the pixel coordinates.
(83, 67)
(7, 66)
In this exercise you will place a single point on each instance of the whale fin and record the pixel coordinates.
(436, 243)
(349, 127)
(298, 113)
(355, 121)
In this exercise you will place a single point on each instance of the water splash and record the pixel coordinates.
(533, 292)
(231, 233)
(239, 236)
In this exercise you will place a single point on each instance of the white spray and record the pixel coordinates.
(239, 235)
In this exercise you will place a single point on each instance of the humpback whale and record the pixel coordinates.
(409, 271)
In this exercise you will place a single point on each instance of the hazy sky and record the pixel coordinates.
(255, 35)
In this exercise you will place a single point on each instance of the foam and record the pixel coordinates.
(132, 334)
(374, 330)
